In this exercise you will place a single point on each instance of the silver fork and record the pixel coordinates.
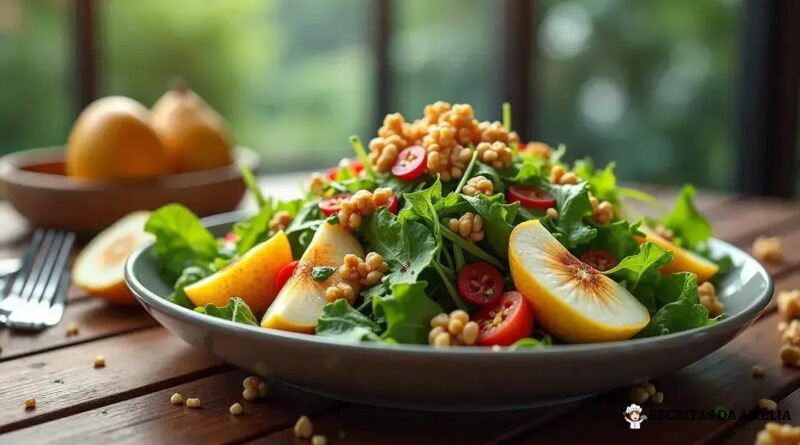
(37, 296)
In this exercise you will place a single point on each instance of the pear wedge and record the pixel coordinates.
(299, 304)
(573, 301)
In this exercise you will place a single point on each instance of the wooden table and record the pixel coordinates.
(128, 400)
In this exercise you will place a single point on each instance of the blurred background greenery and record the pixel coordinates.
(651, 84)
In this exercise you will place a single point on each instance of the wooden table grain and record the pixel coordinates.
(128, 400)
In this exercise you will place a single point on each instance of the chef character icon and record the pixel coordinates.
(633, 415)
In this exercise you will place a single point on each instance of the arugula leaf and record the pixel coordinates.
(691, 228)
(498, 220)
(640, 273)
(602, 183)
(322, 273)
(617, 238)
(190, 275)
(303, 226)
(406, 245)
(181, 240)
(408, 312)
(420, 206)
(340, 321)
(683, 312)
(573, 205)
(531, 342)
(256, 229)
(236, 310)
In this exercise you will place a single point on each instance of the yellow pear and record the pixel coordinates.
(251, 277)
(299, 303)
(112, 139)
(194, 134)
(573, 301)
(682, 259)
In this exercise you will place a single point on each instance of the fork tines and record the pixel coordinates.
(31, 302)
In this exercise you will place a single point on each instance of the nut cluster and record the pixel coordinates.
(560, 175)
(280, 221)
(353, 210)
(446, 132)
(469, 226)
(709, 299)
(316, 184)
(496, 132)
(791, 333)
(768, 249)
(254, 387)
(340, 290)
(497, 154)
(539, 149)
(789, 303)
(368, 272)
(777, 434)
(478, 185)
(446, 156)
(454, 329)
(645, 391)
(602, 211)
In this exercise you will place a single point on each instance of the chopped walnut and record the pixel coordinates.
(709, 299)
(604, 213)
(790, 355)
(478, 185)
(560, 175)
(368, 272)
(496, 132)
(462, 118)
(280, 221)
(768, 249)
(789, 303)
(383, 151)
(469, 226)
(316, 184)
(496, 154)
(453, 330)
(340, 290)
(353, 210)
(791, 334)
(539, 149)
(435, 110)
(777, 434)
(446, 156)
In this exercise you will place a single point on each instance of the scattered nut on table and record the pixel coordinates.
(193, 402)
(768, 249)
(777, 434)
(767, 404)
(758, 371)
(236, 409)
(99, 362)
(30, 403)
(176, 399)
(303, 428)
(319, 439)
(72, 329)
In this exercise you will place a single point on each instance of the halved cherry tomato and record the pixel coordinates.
(394, 204)
(531, 197)
(599, 259)
(479, 283)
(284, 274)
(355, 164)
(329, 206)
(411, 163)
(515, 322)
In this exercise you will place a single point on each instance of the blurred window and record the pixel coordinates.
(651, 84)
(35, 82)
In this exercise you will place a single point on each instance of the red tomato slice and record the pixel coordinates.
(515, 320)
(230, 238)
(411, 163)
(480, 283)
(329, 206)
(394, 204)
(355, 164)
(531, 197)
(284, 274)
(599, 259)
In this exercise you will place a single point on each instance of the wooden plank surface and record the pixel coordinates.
(64, 381)
(151, 419)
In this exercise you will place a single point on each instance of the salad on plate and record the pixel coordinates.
(450, 231)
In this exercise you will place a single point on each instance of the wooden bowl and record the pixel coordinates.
(38, 188)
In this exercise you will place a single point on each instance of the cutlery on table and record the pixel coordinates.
(37, 295)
